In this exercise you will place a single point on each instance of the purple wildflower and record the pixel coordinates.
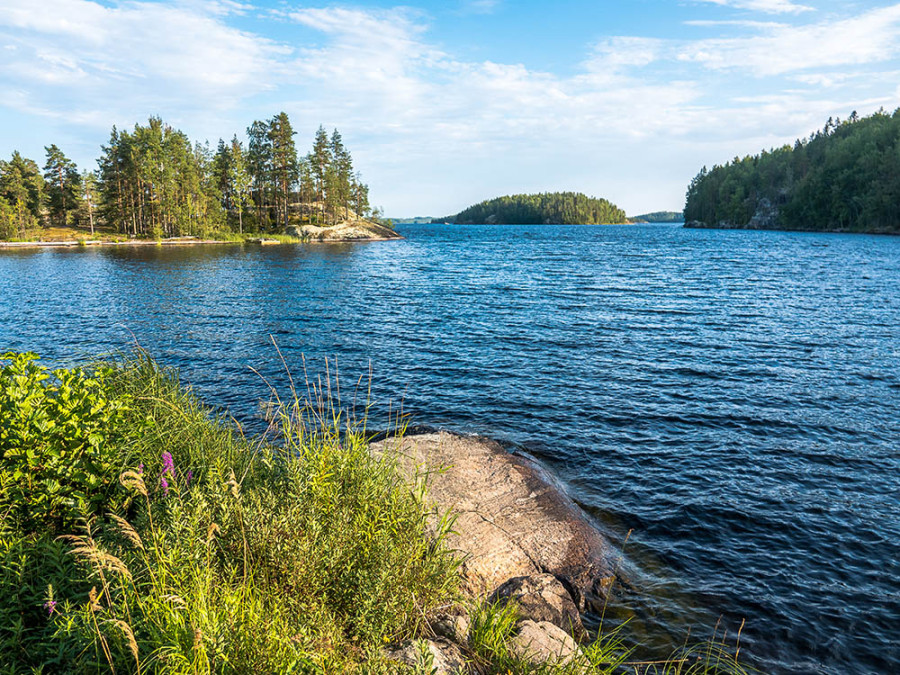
(167, 470)
(50, 606)
(189, 477)
(168, 463)
(141, 468)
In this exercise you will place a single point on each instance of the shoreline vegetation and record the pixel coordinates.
(140, 531)
(843, 178)
(153, 183)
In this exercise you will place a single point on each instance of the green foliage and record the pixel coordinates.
(566, 208)
(35, 572)
(218, 553)
(58, 457)
(492, 626)
(659, 217)
(843, 178)
(153, 182)
(229, 555)
(62, 185)
(22, 189)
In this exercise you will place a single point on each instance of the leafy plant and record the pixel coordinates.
(59, 459)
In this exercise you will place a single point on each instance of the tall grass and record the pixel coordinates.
(296, 552)
(230, 554)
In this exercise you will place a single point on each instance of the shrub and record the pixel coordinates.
(59, 443)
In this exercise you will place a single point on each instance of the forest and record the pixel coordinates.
(844, 178)
(659, 217)
(154, 182)
(558, 208)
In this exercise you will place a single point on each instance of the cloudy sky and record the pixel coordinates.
(448, 102)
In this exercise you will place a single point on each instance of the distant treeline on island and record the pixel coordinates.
(153, 181)
(557, 208)
(844, 178)
(659, 217)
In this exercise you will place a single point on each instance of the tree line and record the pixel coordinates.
(845, 177)
(153, 181)
(563, 208)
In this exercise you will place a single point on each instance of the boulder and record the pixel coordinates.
(452, 627)
(512, 518)
(539, 642)
(543, 598)
(439, 657)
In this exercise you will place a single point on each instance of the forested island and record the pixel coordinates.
(659, 217)
(153, 182)
(556, 208)
(844, 178)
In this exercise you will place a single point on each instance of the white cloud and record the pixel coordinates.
(481, 6)
(130, 56)
(430, 128)
(872, 37)
(766, 6)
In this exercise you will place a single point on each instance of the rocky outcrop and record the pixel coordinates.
(353, 230)
(439, 657)
(542, 598)
(539, 642)
(512, 519)
(453, 627)
(765, 217)
(520, 539)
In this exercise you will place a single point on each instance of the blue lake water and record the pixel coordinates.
(731, 398)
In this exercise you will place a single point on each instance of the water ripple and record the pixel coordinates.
(731, 397)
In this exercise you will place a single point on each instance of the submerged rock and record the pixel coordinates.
(512, 519)
(543, 598)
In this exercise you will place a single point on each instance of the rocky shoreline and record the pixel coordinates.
(520, 538)
(192, 241)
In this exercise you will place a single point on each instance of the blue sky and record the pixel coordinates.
(446, 103)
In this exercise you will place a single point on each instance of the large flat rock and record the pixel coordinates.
(512, 520)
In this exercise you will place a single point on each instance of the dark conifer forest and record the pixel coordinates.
(152, 181)
(561, 208)
(844, 178)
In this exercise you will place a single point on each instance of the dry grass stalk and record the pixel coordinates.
(128, 531)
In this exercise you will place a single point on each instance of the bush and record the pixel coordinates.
(60, 449)
(225, 554)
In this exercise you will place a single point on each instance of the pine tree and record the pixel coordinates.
(259, 163)
(239, 179)
(62, 178)
(285, 166)
(320, 159)
(88, 195)
(342, 165)
(22, 185)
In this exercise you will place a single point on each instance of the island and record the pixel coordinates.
(659, 217)
(547, 208)
(153, 184)
(844, 178)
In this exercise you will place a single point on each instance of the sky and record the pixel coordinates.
(449, 102)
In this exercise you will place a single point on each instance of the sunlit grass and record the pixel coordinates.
(298, 551)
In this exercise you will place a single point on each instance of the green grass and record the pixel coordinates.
(309, 555)
(192, 548)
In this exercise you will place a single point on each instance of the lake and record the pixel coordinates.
(731, 398)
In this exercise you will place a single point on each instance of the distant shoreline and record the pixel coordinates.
(694, 225)
(183, 241)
